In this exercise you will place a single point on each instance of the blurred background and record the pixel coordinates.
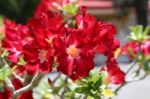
(118, 10)
(123, 13)
(18, 10)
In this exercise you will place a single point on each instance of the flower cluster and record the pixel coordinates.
(132, 48)
(52, 40)
(138, 47)
(139, 42)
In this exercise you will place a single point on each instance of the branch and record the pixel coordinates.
(9, 84)
(18, 77)
(140, 78)
(137, 72)
(116, 91)
(29, 86)
(131, 66)
(65, 87)
(4, 61)
(58, 76)
(129, 69)
(127, 82)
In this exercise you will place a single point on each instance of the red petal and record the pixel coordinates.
(65, 65)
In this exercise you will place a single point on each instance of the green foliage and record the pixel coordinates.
(1, 36)
(71, 8)
(138, 33)
(4, 54)
(93, 85)
(1, 23)
(21, 61)
(4, 72)
(1, 20)
(147, 66)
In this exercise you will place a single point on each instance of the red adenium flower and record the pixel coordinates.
(74, 59)
(26, 95)
(6, 94)
(37, 59)
(16, 35)
(17, 84)
(101, 36)
(45, 26)
(39, 52)
(47, 39)
(133, 47)
(145, 47)
(46, 36)
(115, 75)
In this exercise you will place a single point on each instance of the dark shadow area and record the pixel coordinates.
(18, 10)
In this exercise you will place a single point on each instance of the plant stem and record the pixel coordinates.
(58, 76)
(18, 77)
(140, 78)
(28, 87)
(125, 83)
(65, 87)
(129, 69)
(131, 66)
(9, 84)
(4, 61)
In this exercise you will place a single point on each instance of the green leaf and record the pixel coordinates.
(90, 84)
(1, 36)
(21, 61)
(71, 8)
(98, 83)
(134, 30)
(93, 84)
(56, 90)
(146, 31)
(4, 54)
(82, 89)
(147, 66)
(90, 97)
(131, 37)
(94, 75)
(1, 20)
(4, 72)
(104, 74)
(137, 33)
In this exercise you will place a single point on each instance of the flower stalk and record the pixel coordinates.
(29, 86)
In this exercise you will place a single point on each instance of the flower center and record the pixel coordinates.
(43, 55)
(73, 51)
(50, 40)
